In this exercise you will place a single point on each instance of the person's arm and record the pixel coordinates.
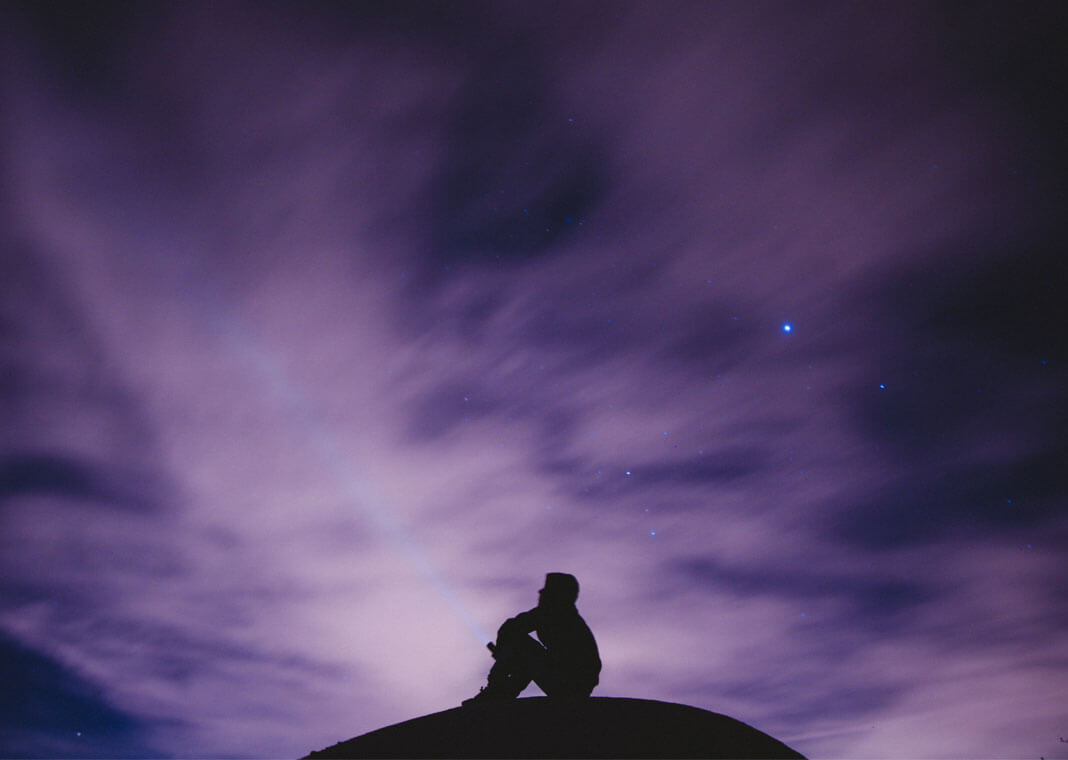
(521, 624)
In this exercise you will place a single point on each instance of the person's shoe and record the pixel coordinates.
(484, 695)
(489, 694)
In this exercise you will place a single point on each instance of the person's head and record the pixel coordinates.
(560, 589)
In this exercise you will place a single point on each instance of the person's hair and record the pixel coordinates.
(562, 586)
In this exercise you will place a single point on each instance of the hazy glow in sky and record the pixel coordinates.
(328, 330)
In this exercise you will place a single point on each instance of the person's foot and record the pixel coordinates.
(489, 694)
(482, 696)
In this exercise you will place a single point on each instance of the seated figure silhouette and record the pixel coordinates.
(563, 661)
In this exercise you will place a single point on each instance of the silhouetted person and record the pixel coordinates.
(562, 661)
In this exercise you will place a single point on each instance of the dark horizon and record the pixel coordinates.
(330, 329)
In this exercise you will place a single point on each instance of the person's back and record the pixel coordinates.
(564, 661)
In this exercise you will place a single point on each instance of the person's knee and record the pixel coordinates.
(509, 631)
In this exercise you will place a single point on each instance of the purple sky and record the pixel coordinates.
(328, 330)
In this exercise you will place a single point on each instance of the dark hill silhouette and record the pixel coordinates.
(565, 727)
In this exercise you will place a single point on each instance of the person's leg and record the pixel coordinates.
(527, 660)
(518, 657)
(506, 680)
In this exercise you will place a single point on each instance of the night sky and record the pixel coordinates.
(328, 330)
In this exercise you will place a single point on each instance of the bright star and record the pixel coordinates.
(787, 327)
